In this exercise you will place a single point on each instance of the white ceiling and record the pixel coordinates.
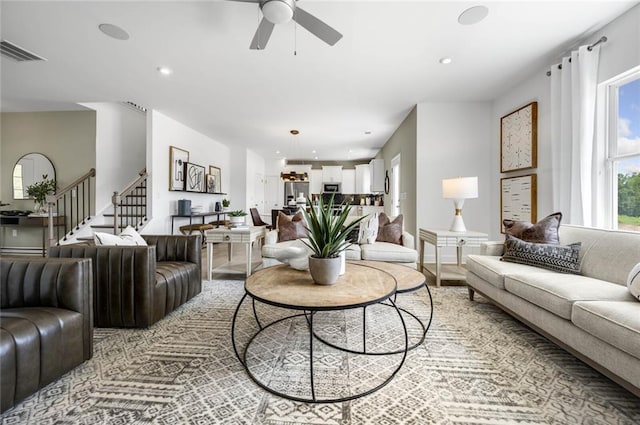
(386, 62)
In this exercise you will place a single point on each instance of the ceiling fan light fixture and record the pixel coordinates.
(278, 11)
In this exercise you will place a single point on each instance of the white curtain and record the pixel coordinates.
(573, 117)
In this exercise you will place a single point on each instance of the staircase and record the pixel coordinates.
(75, 204)
(129, 207)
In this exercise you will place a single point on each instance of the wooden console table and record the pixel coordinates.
(33, 221)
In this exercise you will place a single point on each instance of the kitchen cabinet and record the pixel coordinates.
(377, 175)
(363, 179)
(368, 209)
(315, 181)
(349, 181)
(332, 173)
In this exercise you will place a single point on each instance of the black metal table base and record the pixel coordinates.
(309, 316)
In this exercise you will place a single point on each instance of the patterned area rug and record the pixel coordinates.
(477, 365)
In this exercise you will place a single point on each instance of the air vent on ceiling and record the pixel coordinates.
(136, 107)
(17, 53)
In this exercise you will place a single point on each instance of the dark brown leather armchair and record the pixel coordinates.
(46, 323)
(257, 220)
(135, 286)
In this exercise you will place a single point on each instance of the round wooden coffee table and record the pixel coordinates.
(282, 286)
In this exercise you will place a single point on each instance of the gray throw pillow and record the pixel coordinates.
(560, 258)
(544, 231)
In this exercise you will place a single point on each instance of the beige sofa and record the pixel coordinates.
(591, 315)
(404, 254)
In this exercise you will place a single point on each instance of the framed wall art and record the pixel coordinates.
(519, 139)
(194, 177)
(177, 158)
(518, 199)
(215, 179)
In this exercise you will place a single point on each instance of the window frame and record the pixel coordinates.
(611, 130)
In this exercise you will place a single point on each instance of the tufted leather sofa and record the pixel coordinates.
(135, 286)
(46, 324)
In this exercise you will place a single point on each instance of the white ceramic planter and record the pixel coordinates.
(325, 271)
(237, 221)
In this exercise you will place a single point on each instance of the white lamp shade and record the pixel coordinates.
(278, 11)
(460, 188)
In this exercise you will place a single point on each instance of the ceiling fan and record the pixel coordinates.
(282, 11)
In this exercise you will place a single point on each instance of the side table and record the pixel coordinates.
(446, 238)
(245, 235)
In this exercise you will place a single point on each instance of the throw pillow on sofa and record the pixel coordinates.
(560, 258)
(633, 282)
(390, 231)
(368, 230)
(544, 231)
(291, 227)
(128, 237)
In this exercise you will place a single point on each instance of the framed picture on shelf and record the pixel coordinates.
(177, 158)
(194, 177)
(519, 139)
(518, 199)
(211, 183)
(216, 179)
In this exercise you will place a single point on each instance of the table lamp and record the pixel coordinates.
(459, 189)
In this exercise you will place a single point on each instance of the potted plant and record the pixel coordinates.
(225, 203)
(327, 239)
(237, 217)
(40, 190)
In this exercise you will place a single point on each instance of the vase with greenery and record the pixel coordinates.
(225, 203)
(327, 239)
(39, 191)
(237, 217)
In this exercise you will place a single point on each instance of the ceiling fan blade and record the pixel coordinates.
(247, 1)
(262, 35)
(316, 27)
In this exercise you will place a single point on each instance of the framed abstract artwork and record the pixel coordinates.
(519, 139)
(177, 158)
(194, 177)
(216, 179)
(518, 199)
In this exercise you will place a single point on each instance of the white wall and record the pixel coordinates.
(453, 139)
(255, 181)
(620, 53)
(163, 132)
(120, 148)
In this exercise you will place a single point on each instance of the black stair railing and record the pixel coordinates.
(130, 205)
(74, 203)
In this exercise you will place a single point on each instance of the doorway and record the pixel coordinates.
(395, 185)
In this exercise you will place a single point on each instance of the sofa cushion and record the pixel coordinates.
(385, 251)
(615, 322)
(128, 237)
(389, 231)
(491, 269)
(633, 281)
(560, 258)
(556, 292)
(279, 249)
(353, 252)
(291, 227)
(544, 231)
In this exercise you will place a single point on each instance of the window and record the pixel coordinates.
(624, 151)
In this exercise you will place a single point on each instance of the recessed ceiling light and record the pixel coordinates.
(313, 151)
(277, 152)
(445, 60)
(473, 15)
(113, 31)
(164, 70)
(315, 157)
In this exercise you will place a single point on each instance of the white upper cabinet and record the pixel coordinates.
(332, 173)
(315, 181)
(377, 175)
(363, 179)
(349, 181)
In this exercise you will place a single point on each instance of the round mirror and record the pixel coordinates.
(30, 169)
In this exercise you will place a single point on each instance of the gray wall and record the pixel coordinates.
(66, 138)
(404, 142)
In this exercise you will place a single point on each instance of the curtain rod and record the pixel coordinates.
(602, 39)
